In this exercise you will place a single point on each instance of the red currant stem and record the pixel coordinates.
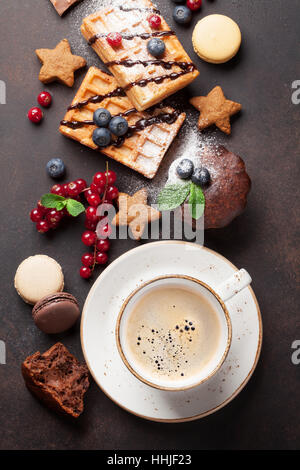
(106, 184)
(95, 254)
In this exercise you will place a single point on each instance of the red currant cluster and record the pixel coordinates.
(47, 219)
(101, 192)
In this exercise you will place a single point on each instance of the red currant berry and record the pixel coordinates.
(101, 258)
(112, 193)
(94, 200)
(105, 231)
(88, 193)
(81, 184)
(35, 115)
(154, 21)
(194, 4)
(54, 216)
(73, 189)
(96, 189)
(36, 215)
(89, 225)
(114, 39)
(53, 225)
(41, 208)
(103, 245)
(57, 189)
(111, 177)
(65, 190)
(42, 226)
(91, 214)
(44, 99)
(85, 272)
(88, 238)
(106, 203)
(87, 259)
(99, 180)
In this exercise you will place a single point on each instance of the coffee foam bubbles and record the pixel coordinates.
(172, 333)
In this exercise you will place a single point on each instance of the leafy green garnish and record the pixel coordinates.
(74, 207)
(61, 205)
(53, 201)
(172, 196)
(196, 201)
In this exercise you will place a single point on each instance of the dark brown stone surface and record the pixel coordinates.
(264, 240)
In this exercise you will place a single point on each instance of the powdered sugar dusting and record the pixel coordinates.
(192, 146)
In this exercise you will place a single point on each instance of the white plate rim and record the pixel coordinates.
(206, 413)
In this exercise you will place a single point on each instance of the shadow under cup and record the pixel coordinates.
(223, 340)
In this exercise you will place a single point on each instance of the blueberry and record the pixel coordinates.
(102, 117)
(185, 168)
(101, 137)
(118, 126)
(56, 168)
(201, 177)
(182, 15)
(156, 47)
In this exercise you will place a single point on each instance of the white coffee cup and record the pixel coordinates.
(217, 297)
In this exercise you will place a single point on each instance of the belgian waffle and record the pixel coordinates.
(144, 149)
(146, 80)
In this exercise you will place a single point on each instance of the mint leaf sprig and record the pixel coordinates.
(53, 201)
(196, 201)
(173, 195)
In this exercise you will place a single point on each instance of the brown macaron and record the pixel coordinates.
(56, 313)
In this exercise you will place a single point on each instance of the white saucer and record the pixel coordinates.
(99, 346)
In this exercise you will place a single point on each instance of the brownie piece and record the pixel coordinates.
(57, 379)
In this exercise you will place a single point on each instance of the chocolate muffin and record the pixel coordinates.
(57, 379)
(228, 186)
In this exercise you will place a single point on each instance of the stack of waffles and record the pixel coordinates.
(137, 88)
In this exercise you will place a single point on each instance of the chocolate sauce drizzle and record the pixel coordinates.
(76, 124)
(158, 80)
(185, 66)
(97, 98)
(142, 124)
(130, 37)
(162, 63)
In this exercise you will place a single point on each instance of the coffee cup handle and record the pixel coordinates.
(233, 285)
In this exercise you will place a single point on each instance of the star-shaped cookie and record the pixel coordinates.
(59, 64)
(134, 212)
(215, 109)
